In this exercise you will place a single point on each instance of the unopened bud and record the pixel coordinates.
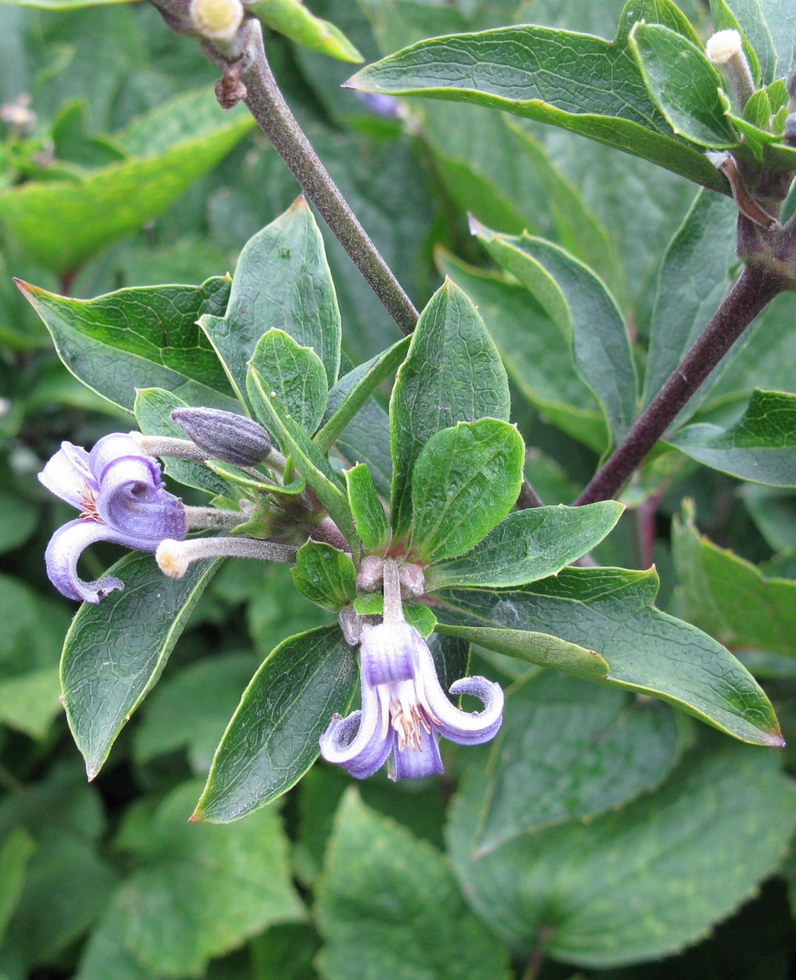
(225, 436)
(413, 581)
(725, 48)
(171, 558)
(370, 573)
(789, 135)
(217, 20)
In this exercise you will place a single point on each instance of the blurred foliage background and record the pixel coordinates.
(117, 168)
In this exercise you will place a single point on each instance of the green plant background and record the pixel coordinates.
(607, 828)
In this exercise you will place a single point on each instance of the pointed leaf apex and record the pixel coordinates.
(354, 81)
(476, 227)
(300, 204)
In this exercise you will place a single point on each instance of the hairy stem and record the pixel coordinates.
(752, 292)
(274, 117)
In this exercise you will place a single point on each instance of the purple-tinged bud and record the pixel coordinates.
(789, 136)
(225, 436)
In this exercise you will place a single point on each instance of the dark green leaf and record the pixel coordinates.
(369, 517)
(191, 709)
(723, 20)
(731, 598)
(388, 903)
(610, 611)
(577, 81)
(537, 355)
(583, 310)
(452, 373)
(310, 462)
(683, 84)
(352, 392)
(529, 545)
(282, 281)
(139, 338)
(761, 447)
(325, 575)
(750, 20)
(465, 481)
(640, 882)
(153, 408)
(694, 276)
(145, 620)
(16, 849)
(295, 375)
(607, 748)
(199, 892)
(272, 739)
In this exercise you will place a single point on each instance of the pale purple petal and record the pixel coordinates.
(64, 551)
(465, 727)
(358, 742)
(412, 763)
(387, 653)
(118, 446)
(134, 504)
(67, 475)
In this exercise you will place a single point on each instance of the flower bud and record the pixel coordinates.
(217, 20)
(224, 435)
(789, 136)
(725, 48)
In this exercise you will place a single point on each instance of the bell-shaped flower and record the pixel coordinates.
(404, 709)
(121, 498)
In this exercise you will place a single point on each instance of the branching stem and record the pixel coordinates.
(275, 119)
(752, 292)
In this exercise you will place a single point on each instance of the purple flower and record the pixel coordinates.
(121, 498)
(404, 709)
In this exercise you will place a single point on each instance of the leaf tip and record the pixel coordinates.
(92, 770)
(300, 204)
(355, 81)
(476, 227)
(197, 816)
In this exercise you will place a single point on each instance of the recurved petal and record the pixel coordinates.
(132, 503)
(67, 474)
(119, 446)
(465, 727)
(63, 553)
(357, 742)
(416, 763)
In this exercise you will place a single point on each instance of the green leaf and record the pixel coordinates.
(781, 22)
(774, 512)
(529, 545)
(291, 18)
(352, 391)
(683, 84)
(61, 4)
(139, 338)
(67, 884)
(310, 463)
(29, 646)
(153, 408)
(388, 903)
(15, 853)
(729, 597)
(640, 882)
(693, 279)
(63, 223)
(296, 376)
(415, 613)
(145, 620)
(452, 373)
(537, 355)
(609, 747)
(282, 281)
(369, 517)
(199, 892)
(609, 611)
(465, 481)
(325, 575)
(760, 447)
(577, 81)
(272, 739)
(583, 310)
(191, 709)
